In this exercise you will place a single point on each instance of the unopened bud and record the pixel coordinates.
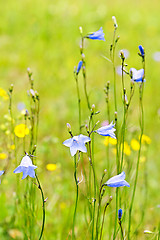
(87, 128)
(122, 55)
(141, 49)
(11, 88)
(69, 127)
(93, 108)
(26, 113)
(29, 72)
(110, 198)
(81, 30)
(83, 56)
(115, 22)
(120, 214)
(105, 171)
(147, 232)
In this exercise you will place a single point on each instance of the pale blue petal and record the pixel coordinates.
(119, 184)
(82, 147)
(137, 75)
(31, 172)
(83, 138)
(25, 174)
(98, 35)
(68, 142)
(107, 130)
(1, 172)
(117, 181)
(122, 175)
(19, 169)
(73, 150)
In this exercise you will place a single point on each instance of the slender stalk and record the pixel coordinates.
(120, 224)
(139, 152)
(84, 74)
(115, 223)
(99, 206)
(107, 204)
(94, 180)
(75, 209)
(112, 55)
(124, 114)
(43, 207)
(79, 102)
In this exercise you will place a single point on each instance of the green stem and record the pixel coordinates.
(75, 210)
(43, 207)
(94, 180)
(124, 117)
(84, 75)
(139, 153)
(120, 224)
(114, 69)
(99, 208)
(103, 219)
(79, 102)
(115, 224)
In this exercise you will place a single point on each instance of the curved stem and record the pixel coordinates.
(43, 207)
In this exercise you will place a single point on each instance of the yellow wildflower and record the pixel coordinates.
(62, 205)
(3, 94)
(12, 147)
(145, 139)
(135, 144)
(110, 140)
(51, 167)
(3, 156)
(21, 130)
(126, 149)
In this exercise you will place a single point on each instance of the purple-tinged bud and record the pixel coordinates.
(69, 127)
(141, 49)
(79, 67)
(120, 214)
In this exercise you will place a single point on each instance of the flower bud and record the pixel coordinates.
(147, 232)
(122, 55)
(11, 88)
(93, 108)
(69, 127)
(141, 49)
(115, 22)
(81, 30)
(120, 214)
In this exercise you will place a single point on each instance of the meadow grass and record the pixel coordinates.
(44, 35)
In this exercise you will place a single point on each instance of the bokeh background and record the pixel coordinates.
(44, 35)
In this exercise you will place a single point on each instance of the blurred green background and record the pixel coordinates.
(44, 35)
